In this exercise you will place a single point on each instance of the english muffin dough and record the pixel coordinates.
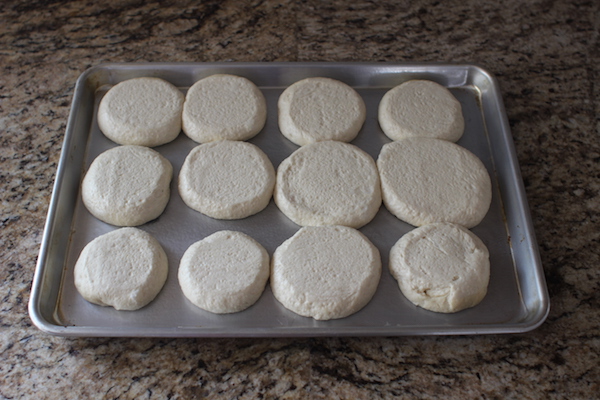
(421, 108)
(441, 267)
(426, 180)
(227, 179)
(141, 111)
(223, 107)
(127, 185)
(325, 272)
(328, 183)
(224, 273)
(316, 109)
(124, 269)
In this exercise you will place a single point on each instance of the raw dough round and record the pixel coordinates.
(328, 183)
(224, 273)
(125, 269)
(127, 185)
(223, 107)
(227, 179)
(421, 108)
(141, 111)
(316, 109)
(441, 267)
(426, 180)
(325, 272)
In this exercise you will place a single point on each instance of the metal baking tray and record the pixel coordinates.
(517, 299)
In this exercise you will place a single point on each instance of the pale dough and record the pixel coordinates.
(141, 111)
(441, 267)
(127, 185)
(426, 180)
(223, 107)
(227, 179)
(316, 109)
(124, 269)
(325, 272)
(224, 273)
(421, 108)
(328, 183)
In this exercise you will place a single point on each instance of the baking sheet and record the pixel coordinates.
(517, 298)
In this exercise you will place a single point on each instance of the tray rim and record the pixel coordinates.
(48, 326)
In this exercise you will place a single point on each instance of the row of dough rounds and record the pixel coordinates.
(322, 183)
(321, 272)
(439, 186)
(151, 111)
(420, 180)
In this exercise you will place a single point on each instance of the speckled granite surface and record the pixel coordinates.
(545, 56)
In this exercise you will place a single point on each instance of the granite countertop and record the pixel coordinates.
(545, 56)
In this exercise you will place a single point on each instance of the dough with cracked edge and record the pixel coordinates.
(127, 185)
(325, 272)
(426, 180)
(124, 269)
(225, 272)
(328, 183)
(141, 111)
(441, 267)
(223, 107)
(421, 108)
(316, 109)
(227, 179)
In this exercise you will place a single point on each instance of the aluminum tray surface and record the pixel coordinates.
(517, 298)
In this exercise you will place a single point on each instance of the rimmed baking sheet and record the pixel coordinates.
(517, 298)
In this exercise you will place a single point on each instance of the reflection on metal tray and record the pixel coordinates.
(517, 298)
